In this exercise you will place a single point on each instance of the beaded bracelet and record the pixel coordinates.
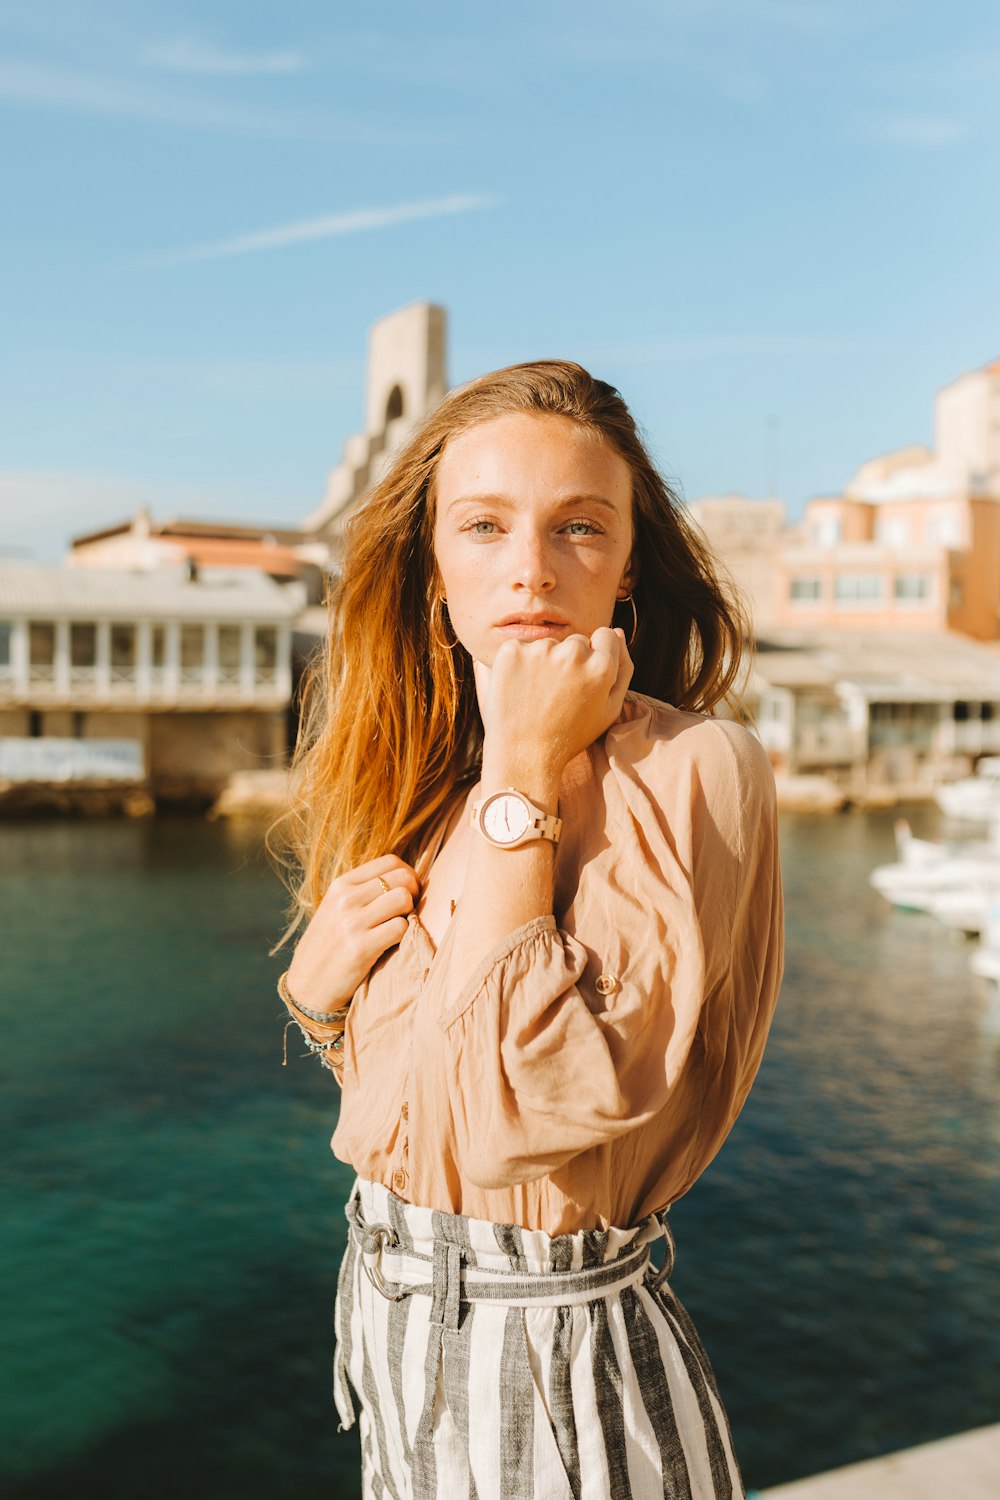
(321, 1017)
(319, 1049)
(336, 1043)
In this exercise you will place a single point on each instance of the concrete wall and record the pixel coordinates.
(197, 752)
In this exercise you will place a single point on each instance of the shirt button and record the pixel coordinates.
(606, 984)
(398, 1180)
(404, 1113)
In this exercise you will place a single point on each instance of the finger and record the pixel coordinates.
(385, 864)
(606, 644)
(626, 666)
(397, 901)
(607, 640)
(381, 885)
(386, 935)
(576, 646)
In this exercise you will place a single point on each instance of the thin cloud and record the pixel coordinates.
(918, 130)
(331, 226)
(58, 88)
(186, 55)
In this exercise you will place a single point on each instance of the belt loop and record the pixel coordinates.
(446, 1286)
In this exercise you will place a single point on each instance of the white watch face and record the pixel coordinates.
(506, 818)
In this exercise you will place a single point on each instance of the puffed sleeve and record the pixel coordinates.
(570, 1034)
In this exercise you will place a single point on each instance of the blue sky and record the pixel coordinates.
(738, 211)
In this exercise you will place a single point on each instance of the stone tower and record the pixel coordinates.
(405, 379)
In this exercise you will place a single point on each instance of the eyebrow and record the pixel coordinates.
(506, 503)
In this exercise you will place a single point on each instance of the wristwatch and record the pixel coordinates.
(508, 819)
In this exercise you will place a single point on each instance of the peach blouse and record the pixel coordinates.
(590, 1068)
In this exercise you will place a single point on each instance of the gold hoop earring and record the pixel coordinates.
(628, 599)
(435, 608)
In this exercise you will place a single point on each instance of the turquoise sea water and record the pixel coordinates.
(172, 1216)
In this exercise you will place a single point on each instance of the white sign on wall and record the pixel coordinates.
(64, 760)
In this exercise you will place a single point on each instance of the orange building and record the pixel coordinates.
(914, 542)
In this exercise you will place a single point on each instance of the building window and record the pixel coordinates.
(265, 653)
(42, 651)
(892, 531)
(79, 725)
(229, 653)
(34, 723)
(6, 632)
(912, 586)
(41, 644)
(828, 533)
(987, 712)
(962, 713)
(858, 588)
(944, 531)
(82, 645)
(806, 588)
(192, 652)
(122, 653)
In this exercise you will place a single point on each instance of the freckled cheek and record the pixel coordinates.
(470, 588)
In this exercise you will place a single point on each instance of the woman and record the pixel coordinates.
(543, 948)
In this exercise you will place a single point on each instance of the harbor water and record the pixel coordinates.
(173, 1218)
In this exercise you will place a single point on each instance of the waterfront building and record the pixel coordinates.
(169, 680)
(880, 712)
(142, 545)
(167, 654)
(913, 543)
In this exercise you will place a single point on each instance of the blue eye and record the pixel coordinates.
(590, 528)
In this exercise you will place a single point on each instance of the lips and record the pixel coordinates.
(533, 620)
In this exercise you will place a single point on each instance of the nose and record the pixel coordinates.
(533, 567)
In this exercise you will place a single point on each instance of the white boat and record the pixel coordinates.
(914, 887)
(914, 851)
(985, 961)
(965, 909)
(977, 797)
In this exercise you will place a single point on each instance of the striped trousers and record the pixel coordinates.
(493, 1362)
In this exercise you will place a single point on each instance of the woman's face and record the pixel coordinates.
(532, 530)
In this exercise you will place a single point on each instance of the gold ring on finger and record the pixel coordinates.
(384, 884)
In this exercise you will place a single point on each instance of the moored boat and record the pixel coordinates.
(974, 798)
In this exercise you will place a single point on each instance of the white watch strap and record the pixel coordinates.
(548, 826)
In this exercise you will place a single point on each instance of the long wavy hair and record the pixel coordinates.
(390, 723)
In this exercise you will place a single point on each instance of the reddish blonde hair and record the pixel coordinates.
(390, 723)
